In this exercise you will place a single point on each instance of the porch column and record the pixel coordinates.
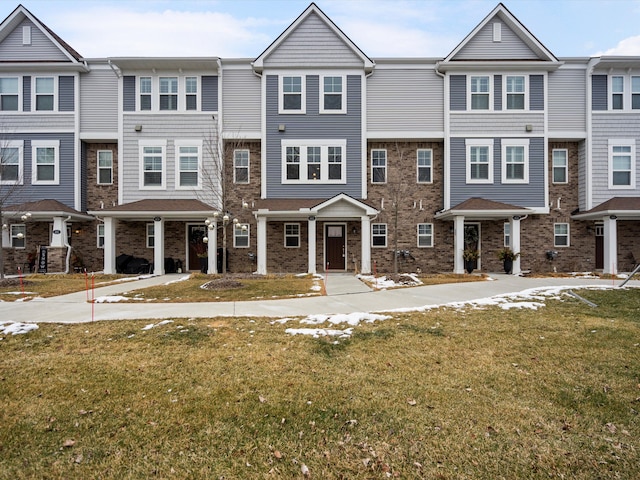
(109, 267)
(610, 245)
(365, 247)
(158, 246)
(262, 245)
(514, 225)
(59, 239)
(458, 244)
(212, 245)
(312, 244)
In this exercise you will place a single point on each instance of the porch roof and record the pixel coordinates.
(625, 208)
(303, 207)
(482, 209)
(183, 209)
(45, 210)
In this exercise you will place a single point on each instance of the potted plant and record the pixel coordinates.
(507, 256)
(470, 256)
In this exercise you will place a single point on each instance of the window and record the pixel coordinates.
(622, 160)
(479, 160)
(378, 166)
(188, 166)
(152, 161)
(378, 234)
(480, 93)
(45, 94)
(191, 93)
(635, 93)
(45, 162)
(151, 235)
(292, 94)
(241, 235)
(515, 161)
(168, 93)
(145, 93)
(18, 234)
(515, 92)
(560, 165)
(100, 235)
(333, 95)
(11, 163)
(560, 234)
(105, 167)
(241, 166)
(425, 235)
(507, 234)
(292, 235)
(9, 94)
(425, 165)
(314, 161)
(617, 93)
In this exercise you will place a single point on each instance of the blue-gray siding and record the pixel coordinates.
(536, 92)
(599, 92)
(210, 93)
(26, 93)
(458, 92)
(129, 93)
(497, 92)
(523, 195)
(313, 125)
(66, 88)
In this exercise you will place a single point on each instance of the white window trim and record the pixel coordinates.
(343, 94)
(34, 95)
(303, 101)
(139, 93)
(19, 144)
(187, 143)
(386, 235)
(172, 94)
(238, 228)
(566, 166)
(35, 144)
(568, 235)
(515, 142)
(470, 94)
(197, 94)
(20, 101)
(291, 236)
(506, 233)
(505, 93)
(181, 94)
(248, 167)
(324, 160)
(622, 142)
(418, 166)
(99, 235)
(626, 98)
(98, 168)
(386, 164)
(152, 143)
(12, 236)
(479, 142)
(419, 235)
(150, 234)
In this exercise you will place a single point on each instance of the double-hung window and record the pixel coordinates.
(152, 165)
(425, 165)
(480, 88)
(241, 166)
(333, 98)
(292, 93)
(425, 235)
(241, 235)
(515, 161)
(9, 94)
(479, 165)
(334, 159)
(379, 235)
(292, 163)
(11, 163)
(314, 161)
(292, 235)
(191, 93)
(507, 234)
(168, 93)
(559, 159)
(622, 163)
(188, 163)
(515, 92)
(105, 167)
(617, 92)
(18, 234)
(151, 235)
(45, 92)
(100, 235)
(378, 166)
(635, 93)
(560, 234)
(145, 87)
(45, 168)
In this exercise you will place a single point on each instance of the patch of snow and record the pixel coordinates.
(19, 293)
(320, 332)
(154, 325)
(16, 328)
(352, 319)
(110, 299)
(181, 279)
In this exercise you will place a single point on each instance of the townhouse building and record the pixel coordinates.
(314, 157)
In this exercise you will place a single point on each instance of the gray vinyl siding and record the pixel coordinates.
(99, 101)
(582, 176)
(209, 93)
(163, 127)
(313, 44)
(406, 100)
(41, 48)
(42, 121)
(511, 122)
(458, 92)
(599, 95)
(497, 92)
(26, 93)
(606, 126)
(523, 195)
(129, 93)
(241, 101)
(567, 101)
(313, 125)
(482, 46)
(66, 88)
(536, 92)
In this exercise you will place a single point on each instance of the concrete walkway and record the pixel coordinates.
(73, 308)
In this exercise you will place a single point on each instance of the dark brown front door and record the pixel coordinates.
(335, 245)
(196, 245)
(599, 247)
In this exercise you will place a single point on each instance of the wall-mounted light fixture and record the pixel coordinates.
(282, 127)
(138, 128)
(528, 127)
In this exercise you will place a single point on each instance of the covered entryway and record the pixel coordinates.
(197, 248)
(335, 247)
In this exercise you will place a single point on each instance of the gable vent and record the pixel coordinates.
(26, 35)
(497, 32)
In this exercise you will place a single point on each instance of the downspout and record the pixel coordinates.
(589, 147)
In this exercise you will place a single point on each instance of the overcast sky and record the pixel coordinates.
(381, 28)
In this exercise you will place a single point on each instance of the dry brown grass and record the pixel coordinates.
(53, 285)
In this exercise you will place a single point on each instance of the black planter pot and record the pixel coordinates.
(204, 264)
(468, 265)
(508, 265)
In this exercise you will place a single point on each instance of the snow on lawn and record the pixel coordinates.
(154, 325)
(383, 282)
(12, 328)
(352, 319)
(113, 299)
(181, 279)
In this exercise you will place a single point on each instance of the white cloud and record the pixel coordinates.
(628, 46)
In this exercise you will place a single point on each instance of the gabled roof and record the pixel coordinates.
(45, 210)
(626, 208)
(258, 63)
(296, 207)
(481, 208)
(543, 56)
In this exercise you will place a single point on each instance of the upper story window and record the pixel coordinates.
(480, 91)
(333, 98)
(152, 165)
(617, 92)
(622, 163)
(45, 93)
(314, 161)
(241, 166)
(168, 93)
(9, 94)
(515, 161)
(191, 93)
(292, 94)
(378, 166)
(45, 162)
(188, 164)
(11, 163)
(560, 165)
(635, 93)
(479, 165)
(425, 165)
(145, 87)
(515, 92)
(105, 167)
